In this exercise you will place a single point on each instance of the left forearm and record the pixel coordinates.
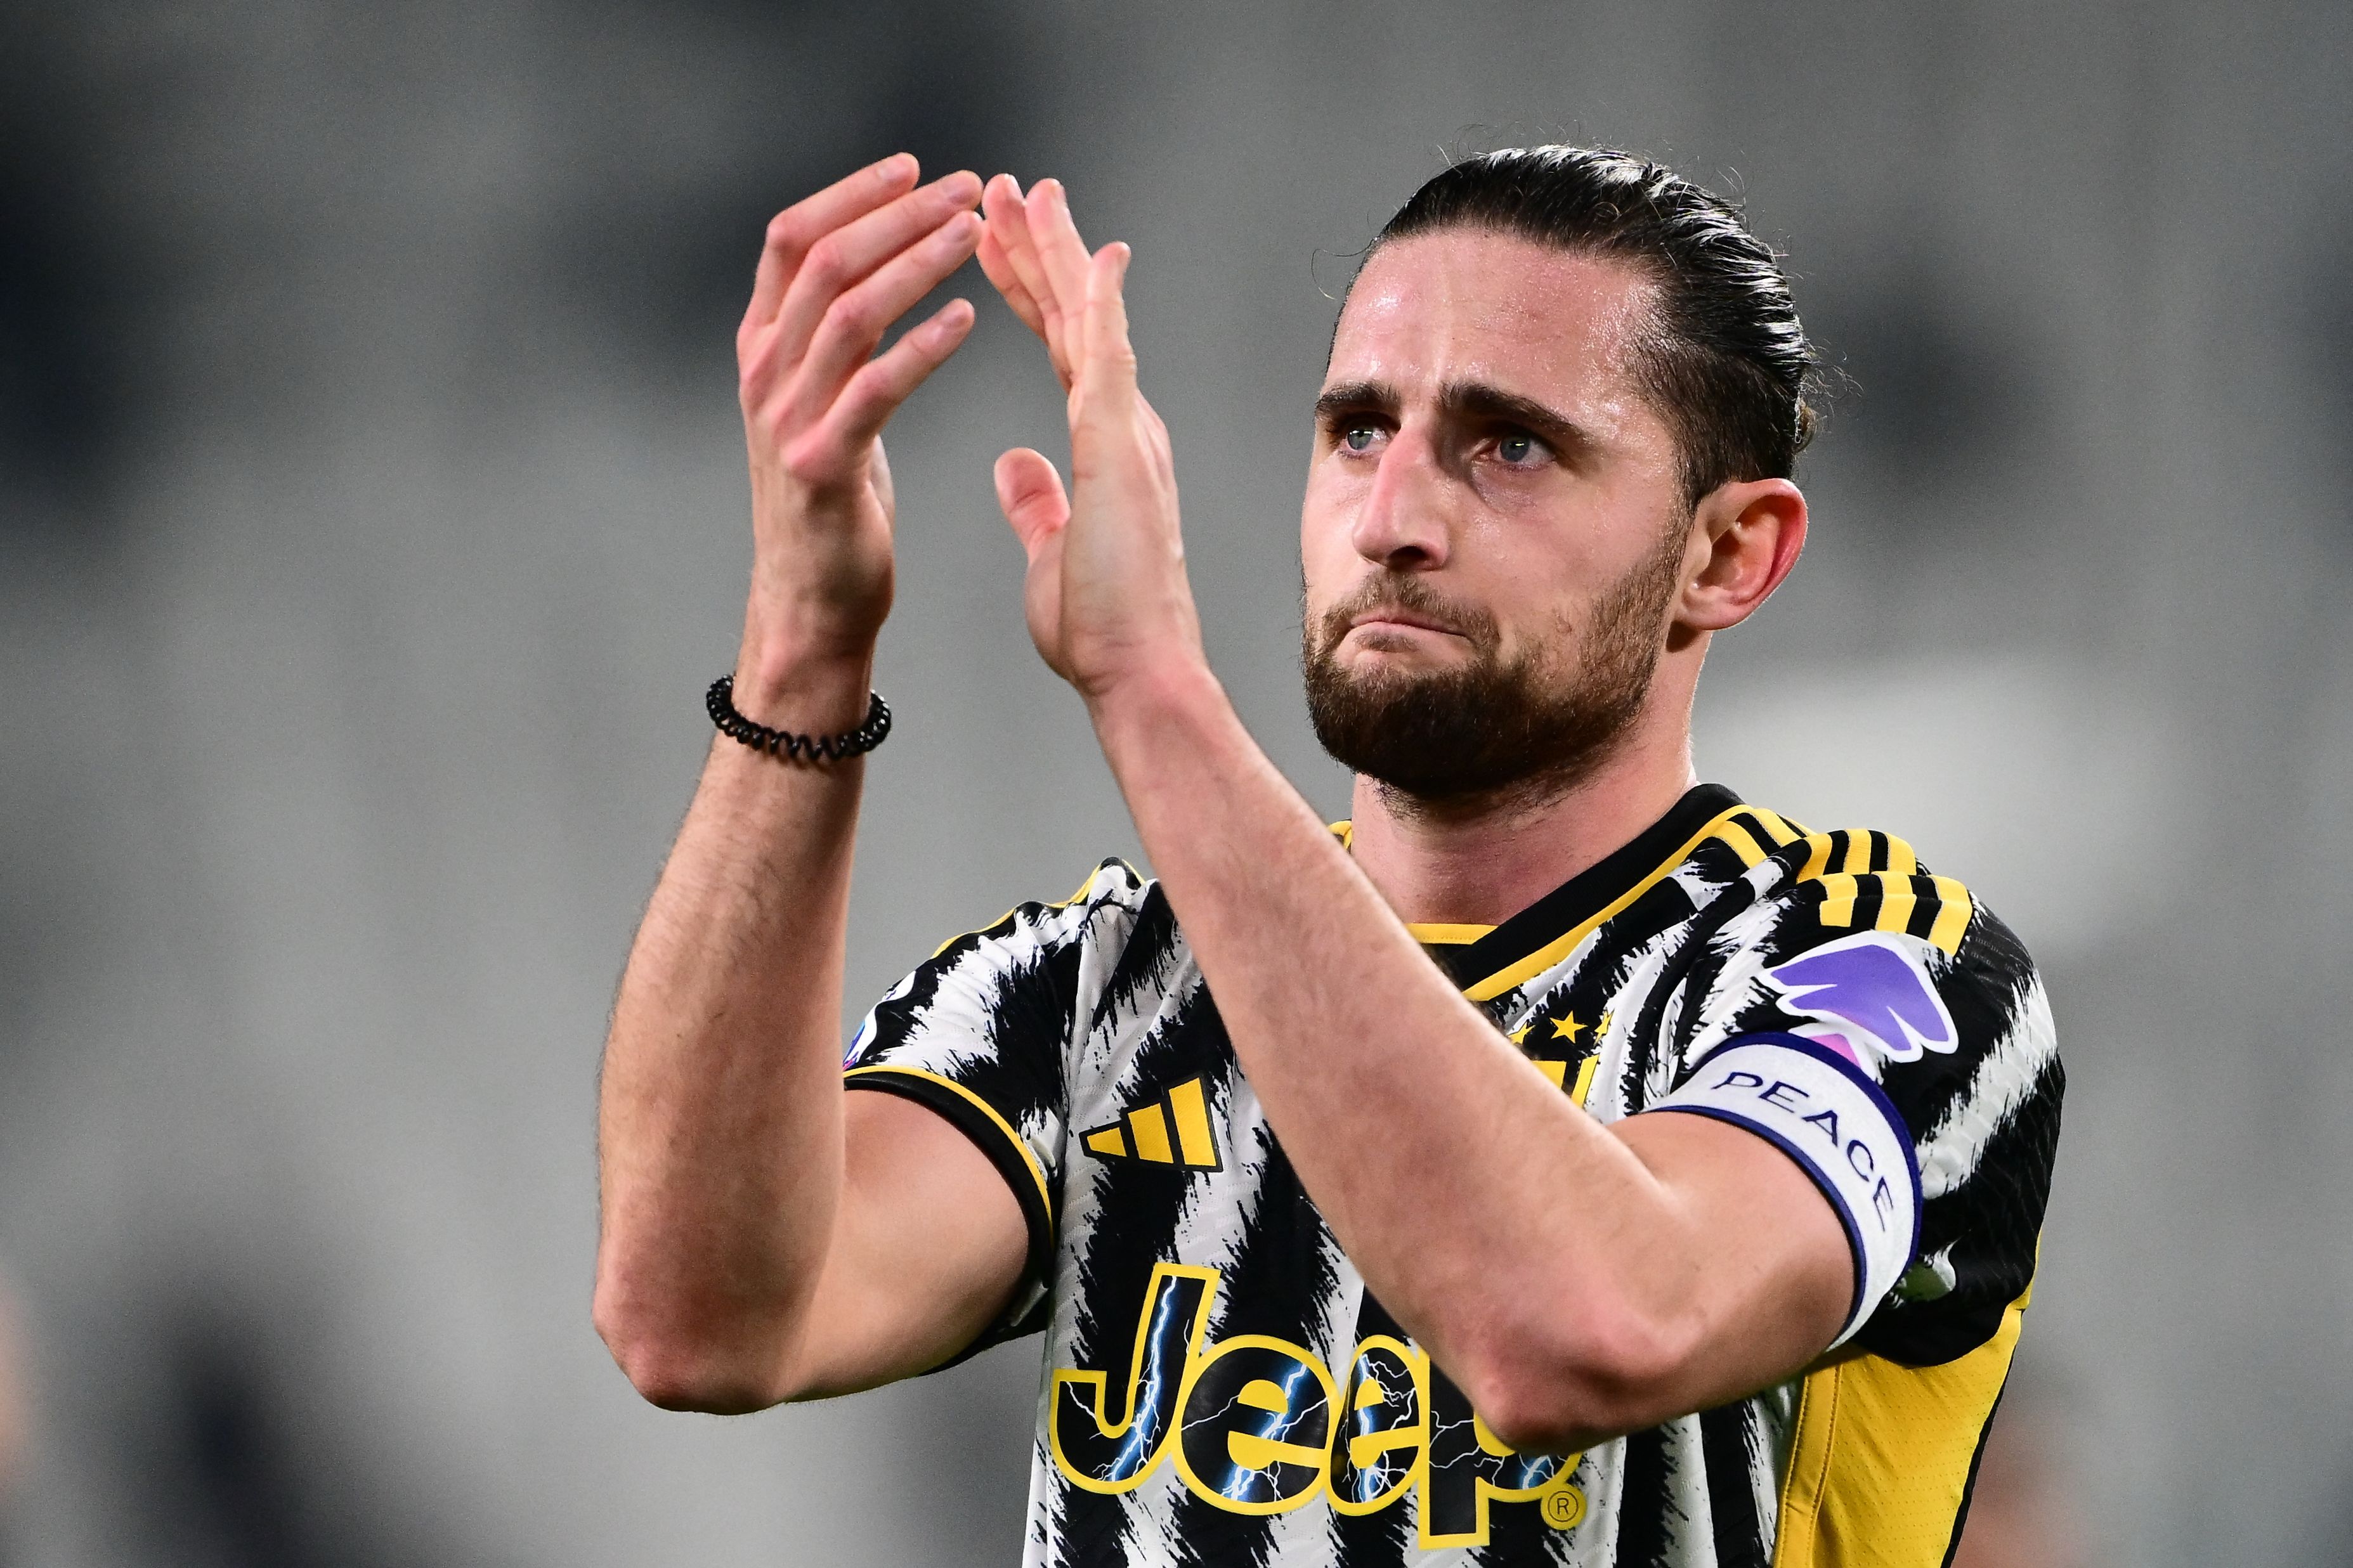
(1553, 1267)
(1437, 1154)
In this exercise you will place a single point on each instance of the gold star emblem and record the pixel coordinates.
(1566, 1028)
(1603, 1027)
(1520, 1034)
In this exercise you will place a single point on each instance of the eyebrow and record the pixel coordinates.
(1477, 400)
(1355, 397)
(1462, 400)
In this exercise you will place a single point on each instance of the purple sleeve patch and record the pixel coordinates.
(1870, 989)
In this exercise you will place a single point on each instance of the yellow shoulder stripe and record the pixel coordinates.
(1037, 1171)
(1897, 900)
(1953, 917)
(1855, 849)
(1817, 856)
(1838, 893)
(1901, 889)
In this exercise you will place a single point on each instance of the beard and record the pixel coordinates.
(1533, 726)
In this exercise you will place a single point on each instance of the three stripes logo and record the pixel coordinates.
(1170, 1130)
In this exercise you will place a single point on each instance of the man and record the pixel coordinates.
(1563, 1162)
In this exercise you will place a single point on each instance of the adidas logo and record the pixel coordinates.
(1172, 1130)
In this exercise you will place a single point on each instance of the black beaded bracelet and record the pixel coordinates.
(720, 700)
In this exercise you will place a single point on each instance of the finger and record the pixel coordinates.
(1029, 492)
(841, 259)
(1000, 205)
(1109, 354)
(1000, 269)
(1009, 221)
(1063, 256)
(875, 392)
(791, 231)
(1008, 225)
(856, 321)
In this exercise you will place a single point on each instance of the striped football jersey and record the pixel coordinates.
(1220, 1388)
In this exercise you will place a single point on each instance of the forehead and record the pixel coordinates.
(1465, 305)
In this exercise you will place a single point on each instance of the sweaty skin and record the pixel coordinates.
(1479, 431)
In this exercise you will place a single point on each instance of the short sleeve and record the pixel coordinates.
(1896, 1008)
(978, 1033)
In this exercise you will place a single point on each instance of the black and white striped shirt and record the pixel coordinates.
(1222, 1390)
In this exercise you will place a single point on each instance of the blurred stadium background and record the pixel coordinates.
(372, 516)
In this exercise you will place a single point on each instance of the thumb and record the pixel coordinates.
(1031, 493)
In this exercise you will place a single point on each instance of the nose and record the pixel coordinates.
(1401, 525)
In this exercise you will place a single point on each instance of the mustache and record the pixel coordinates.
(1399, 591)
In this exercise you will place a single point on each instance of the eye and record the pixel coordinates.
(1518, 449)
(1359, 437)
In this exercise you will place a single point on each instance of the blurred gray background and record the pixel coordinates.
(372, 515)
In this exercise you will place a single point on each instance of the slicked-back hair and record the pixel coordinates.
(1725, 361)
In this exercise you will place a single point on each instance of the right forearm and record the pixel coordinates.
(719, 1118)
(720, 1141)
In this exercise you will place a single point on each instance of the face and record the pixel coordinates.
(1495, 527)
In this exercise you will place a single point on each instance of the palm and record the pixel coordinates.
(839, 268)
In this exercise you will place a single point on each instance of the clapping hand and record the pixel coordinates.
(837, 269)
(1106, 593)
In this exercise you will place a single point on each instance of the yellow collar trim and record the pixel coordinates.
(1724, 826)
(1443, 935)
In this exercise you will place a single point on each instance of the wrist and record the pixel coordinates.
(1169, 698)
(799, 639)
(796, 687)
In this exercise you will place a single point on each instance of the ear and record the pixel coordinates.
(1745, 538)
